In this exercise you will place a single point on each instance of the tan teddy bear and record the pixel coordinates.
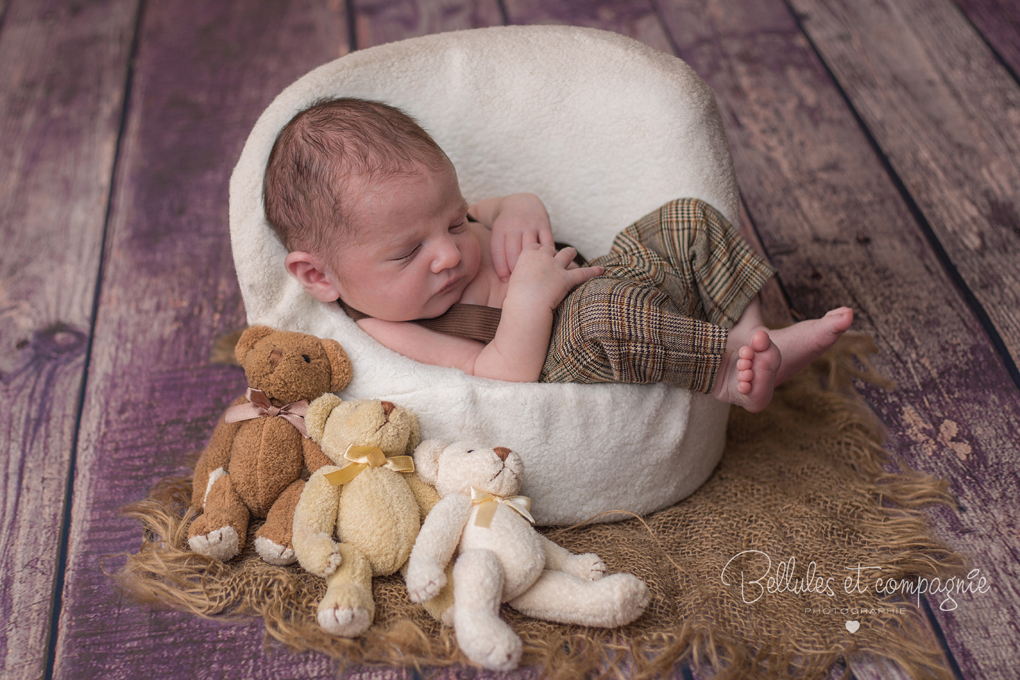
(253, 464)
(368, 498)
(502, 558)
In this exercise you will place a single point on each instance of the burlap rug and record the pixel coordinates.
(800, 499)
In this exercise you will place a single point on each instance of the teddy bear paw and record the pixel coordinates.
(627, 595)
(424, 580)
(489, 642)
(318, 554)
(274, 553)
(222, 544)
(587, 566)
(346, 622)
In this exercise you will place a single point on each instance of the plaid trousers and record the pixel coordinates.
(674, 282)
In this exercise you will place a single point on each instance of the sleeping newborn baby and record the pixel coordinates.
(370, 210)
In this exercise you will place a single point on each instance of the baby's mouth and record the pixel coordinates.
(450, 286)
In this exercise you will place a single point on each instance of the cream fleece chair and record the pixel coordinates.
(604, 129)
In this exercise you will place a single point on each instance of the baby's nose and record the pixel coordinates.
(447, 256)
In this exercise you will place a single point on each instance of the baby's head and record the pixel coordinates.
(369, 207)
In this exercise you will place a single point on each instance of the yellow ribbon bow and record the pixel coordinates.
(488, 502)
(362, 457)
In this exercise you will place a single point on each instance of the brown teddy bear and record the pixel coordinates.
(253, 464)
(368, 498)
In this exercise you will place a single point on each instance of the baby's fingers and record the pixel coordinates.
(499, 257)
(515, 246)
(565, 256)
(578, 276)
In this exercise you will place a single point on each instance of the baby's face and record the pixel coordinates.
(413, 253)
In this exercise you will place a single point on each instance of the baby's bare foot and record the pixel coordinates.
(803, 342)
(748, 375)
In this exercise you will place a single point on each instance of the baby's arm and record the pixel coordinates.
(515, 221)
(539, 283)
(517, 352)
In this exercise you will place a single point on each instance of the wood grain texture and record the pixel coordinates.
(383, 21)
(635, 19)
(833, 221)
(204, 73)
(61, 99)
(835, 224)
(947, 115)
(999, 23)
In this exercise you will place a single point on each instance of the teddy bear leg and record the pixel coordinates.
(611, 601)
(477, 592)
(347, 608)
(274, 540)
(221, 531)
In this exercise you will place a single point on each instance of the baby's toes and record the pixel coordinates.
(760, 342)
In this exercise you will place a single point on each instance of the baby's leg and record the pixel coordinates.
(758, 359)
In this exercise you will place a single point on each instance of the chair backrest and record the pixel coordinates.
(603, 128)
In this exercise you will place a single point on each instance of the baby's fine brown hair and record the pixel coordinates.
(308, 185)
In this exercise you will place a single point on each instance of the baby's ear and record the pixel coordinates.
(311, 273)
(426, 460)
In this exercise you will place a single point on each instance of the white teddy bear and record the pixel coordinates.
(502, 558)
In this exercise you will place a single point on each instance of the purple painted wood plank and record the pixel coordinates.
(841, 234)
(203, 74)
(61, 98)
(383, 21)
(947, 116)
(999, 23)
(806, 174)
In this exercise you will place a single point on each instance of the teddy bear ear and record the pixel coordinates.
(248, 339)
(339, 363)
(415, 437)
(426, 460)
(318, 413)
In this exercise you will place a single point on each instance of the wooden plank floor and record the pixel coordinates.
(877, 146)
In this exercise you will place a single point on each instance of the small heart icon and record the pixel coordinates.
(852, 626)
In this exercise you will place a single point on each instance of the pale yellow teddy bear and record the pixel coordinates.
(369, 500)
(502, 558)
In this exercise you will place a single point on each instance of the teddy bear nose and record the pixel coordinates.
(387, 407)
(275, 356)
(502, 452)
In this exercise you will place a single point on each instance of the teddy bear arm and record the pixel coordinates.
(216, 455)
(587, 566)
(434, 547)
(440, 533)
(314, 457)
(314, 521)
(424, 494)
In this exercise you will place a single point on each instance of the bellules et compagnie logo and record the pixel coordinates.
(757, 577)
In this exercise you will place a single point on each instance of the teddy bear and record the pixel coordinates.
(368, 498)
(502, 558)
(253, 464)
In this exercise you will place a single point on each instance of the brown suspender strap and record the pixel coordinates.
(476, 322)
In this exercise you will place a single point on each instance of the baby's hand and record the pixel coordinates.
(521, 220)
(543, 277)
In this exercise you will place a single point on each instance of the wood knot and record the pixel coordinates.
(58, 342)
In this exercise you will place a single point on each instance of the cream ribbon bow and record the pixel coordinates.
(362, 457)
(259, 406)
(488, 502)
